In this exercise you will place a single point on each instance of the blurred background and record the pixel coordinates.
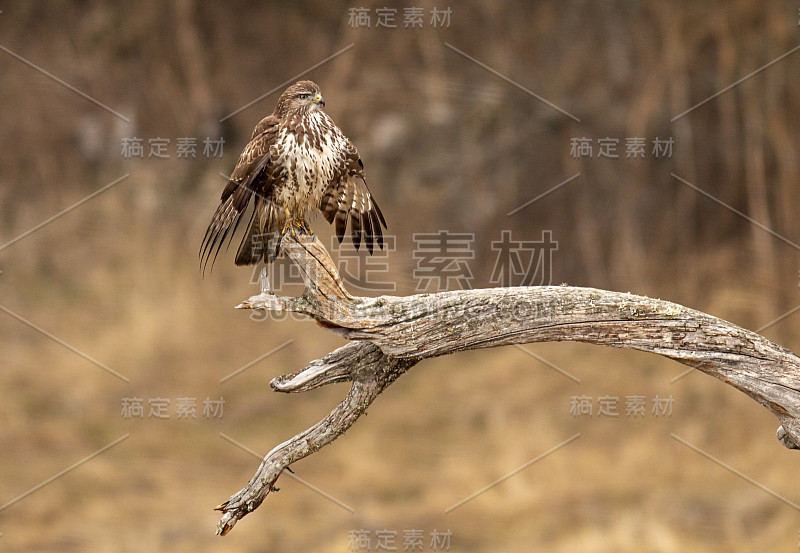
(463, 119)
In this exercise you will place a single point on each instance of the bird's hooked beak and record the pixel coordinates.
(318, 99)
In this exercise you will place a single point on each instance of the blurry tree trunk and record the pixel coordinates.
(680, 98)
(192, 55)
(764, 256)
(391, 334)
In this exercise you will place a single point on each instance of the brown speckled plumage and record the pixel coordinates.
(297, 161)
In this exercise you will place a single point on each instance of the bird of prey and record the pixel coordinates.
(297, 162)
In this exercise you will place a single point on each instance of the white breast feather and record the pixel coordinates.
(306, 170)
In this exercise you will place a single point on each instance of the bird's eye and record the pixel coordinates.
(303, 96)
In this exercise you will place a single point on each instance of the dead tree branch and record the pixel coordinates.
(391, 334)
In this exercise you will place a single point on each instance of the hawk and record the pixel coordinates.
(297, 162)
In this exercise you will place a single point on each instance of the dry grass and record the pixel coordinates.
(446, 429)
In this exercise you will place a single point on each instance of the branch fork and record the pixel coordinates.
(391, 334)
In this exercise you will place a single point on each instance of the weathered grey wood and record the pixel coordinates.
(370, 371)
(391, 334)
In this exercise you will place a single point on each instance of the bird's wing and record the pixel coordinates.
(348, 197)
(247, 181)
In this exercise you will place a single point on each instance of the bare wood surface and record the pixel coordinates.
(391, 334)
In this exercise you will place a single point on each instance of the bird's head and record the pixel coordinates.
(303, 96)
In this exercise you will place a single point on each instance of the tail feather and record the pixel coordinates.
(262, 239)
